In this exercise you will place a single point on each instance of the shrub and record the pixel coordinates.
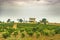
(6, 35)
(30, 33)
(57, 30)
(22, 30)
(10, 30)
(34, 29)
(46, 32)
(37, 34)
(22, 35)
(15, 33)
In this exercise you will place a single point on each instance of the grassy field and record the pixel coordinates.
(27, 31)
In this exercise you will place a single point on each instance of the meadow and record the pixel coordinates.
(28, 31)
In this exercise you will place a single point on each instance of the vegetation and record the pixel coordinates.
(24, 29)
(44, 20)
(20, 20)
(8, 20)
(22, 35)
(6, 35)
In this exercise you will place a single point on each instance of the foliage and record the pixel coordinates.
(22, 30)
(37, 34)
(44, 20)
(57, 30)
(46, 30)
(15, 33)
(30, 33)
(6, 35)
(8, 20)
(20, 20)
(22, 35)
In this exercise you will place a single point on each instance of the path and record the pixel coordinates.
(15, 25)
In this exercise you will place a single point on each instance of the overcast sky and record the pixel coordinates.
(38, 9)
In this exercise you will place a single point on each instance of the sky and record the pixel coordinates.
(16, 9)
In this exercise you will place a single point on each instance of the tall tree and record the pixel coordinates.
(20, 20)
(44, 20)
(8, 20)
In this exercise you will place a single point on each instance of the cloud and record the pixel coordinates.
(30, 8)
(24, 2)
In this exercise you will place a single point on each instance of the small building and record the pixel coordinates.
(32, 20)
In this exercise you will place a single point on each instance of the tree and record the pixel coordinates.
(20, 20)
(8, 20)
(0, 21)
(44, 20)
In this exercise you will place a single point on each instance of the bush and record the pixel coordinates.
(22, 35)
(15, 33)
(22, 30)
(57, 30)
(30, 33)
(34, 29)
(37, 34)
(46, 32)
(6, 35)
(11, 30)
(1, 30)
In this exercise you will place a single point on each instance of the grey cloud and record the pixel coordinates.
(51, 1)
(40, 11)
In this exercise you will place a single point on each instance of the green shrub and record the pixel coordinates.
(34, 29)
(11, 30)
(30, 33)
(57, 30)
(15, 33)
(37, 34)
(22, 35)
(22, 30)
(6, 35)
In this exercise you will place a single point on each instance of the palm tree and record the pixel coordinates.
(44, 20)
(20, 20)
